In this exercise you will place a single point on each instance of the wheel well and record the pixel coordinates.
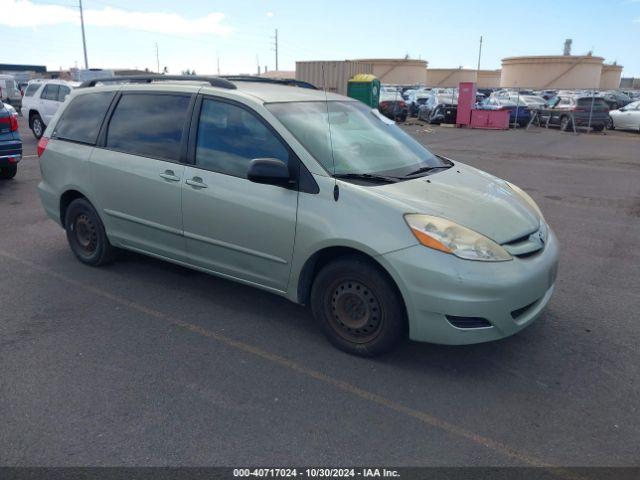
(32, 113)
(65, 200)
(321, 258)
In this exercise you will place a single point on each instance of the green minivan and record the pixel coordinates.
(306, 194)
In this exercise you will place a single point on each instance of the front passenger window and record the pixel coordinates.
(229, 137)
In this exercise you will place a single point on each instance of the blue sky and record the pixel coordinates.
(193, 33)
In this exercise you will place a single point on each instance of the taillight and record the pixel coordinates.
(384, 104)
(42, 145)
(402, 104)
(12, 121)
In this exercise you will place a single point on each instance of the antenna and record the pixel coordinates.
(336, 190)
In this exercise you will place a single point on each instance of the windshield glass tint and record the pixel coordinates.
(363, 142)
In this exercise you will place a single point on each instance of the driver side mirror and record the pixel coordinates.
(269, 171)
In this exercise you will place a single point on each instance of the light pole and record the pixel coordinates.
(84, 40)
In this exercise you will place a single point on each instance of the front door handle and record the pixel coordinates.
(196, 182)
(170, 176)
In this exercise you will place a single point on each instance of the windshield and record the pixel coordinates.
(363, 141)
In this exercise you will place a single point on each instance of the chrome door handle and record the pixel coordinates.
(196, 182)
(169, 175)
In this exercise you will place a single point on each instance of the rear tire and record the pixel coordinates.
(598, 128)
(7, 173)
(86, 234)
(37, 126)
(358, 307)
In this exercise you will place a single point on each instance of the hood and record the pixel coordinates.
(469, 197)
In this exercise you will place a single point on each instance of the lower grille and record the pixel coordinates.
(468, 322)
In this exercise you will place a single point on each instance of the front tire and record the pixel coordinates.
(86, 234)
(37, 126)
(358, 307)
(610, 124)
(7, 173)
(565, 123)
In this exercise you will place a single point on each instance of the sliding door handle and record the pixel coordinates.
(170, 176)
(196, 182)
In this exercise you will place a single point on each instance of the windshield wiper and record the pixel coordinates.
(426, 170)
(371, 177)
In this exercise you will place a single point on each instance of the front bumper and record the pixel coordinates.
(509, 295)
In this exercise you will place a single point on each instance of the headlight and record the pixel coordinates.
(528, 200)
(449, 237)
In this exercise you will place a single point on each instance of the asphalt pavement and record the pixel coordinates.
(147, 363)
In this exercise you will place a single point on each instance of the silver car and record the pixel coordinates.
(306, 194)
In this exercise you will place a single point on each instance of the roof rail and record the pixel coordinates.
(213, 81)
(291, 82)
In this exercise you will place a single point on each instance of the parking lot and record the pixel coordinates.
(147, 363)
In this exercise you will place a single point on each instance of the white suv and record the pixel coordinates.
(41, 101)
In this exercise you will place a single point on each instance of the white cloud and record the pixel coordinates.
(269, 14)
(23, 13)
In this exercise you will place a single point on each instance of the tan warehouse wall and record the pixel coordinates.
(449, 77)
(556, 71)
(610, 77)
(332, 74)
(398, 71)
(488, 78)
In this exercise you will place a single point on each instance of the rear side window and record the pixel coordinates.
(81, 120)
(597, 103)
(229, 137)
(50, 92)
(149, 125)
(31, 89)
(63, 92)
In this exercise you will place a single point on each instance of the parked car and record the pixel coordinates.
(9, 91)
(518, 114)
(392, 105)
(415, 98)
(584, 111)
(626, 118)
(546, 94)
(378, 235)
(528, 100)
(10, 142)
(442, 108)
(42, 100)
(615, 99)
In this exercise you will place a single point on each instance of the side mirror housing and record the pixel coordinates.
(270, 171)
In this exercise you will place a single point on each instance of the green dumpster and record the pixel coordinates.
(366, 88)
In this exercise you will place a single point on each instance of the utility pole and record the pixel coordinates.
(258, 64)
(218, 62)
(84, 40)
(276, 49)
(157, 59)
(480, 52)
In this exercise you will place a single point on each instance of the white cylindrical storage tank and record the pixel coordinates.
(398, 71)
(551, 71)
(334, 75)
(610, 78)
(449, 77)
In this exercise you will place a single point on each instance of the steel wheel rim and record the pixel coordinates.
(85, 234)
(37, 127)
(354, 311)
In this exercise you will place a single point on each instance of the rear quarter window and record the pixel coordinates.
(149, 125)
(81, 120)
(50, 92)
